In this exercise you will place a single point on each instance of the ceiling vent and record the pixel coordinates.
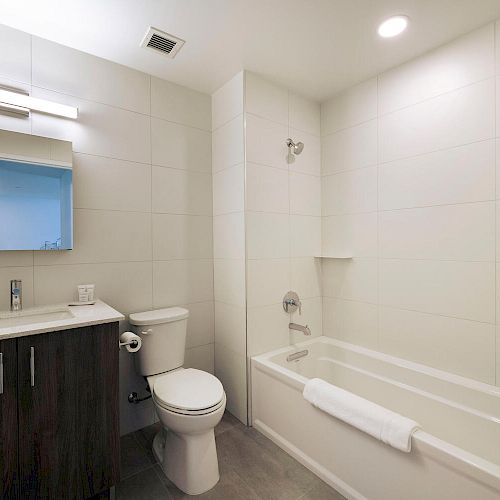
(162, 42)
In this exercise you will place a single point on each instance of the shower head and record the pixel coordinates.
(293, 149)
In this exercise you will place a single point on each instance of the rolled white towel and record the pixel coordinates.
(381, 423)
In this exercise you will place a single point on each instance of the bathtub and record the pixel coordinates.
(456, 454)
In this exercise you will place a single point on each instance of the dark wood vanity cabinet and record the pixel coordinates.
(59, 414)
(8, 420)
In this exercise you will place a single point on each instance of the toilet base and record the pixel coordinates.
(188, 460)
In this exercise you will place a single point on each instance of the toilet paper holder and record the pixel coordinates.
(130, 341)
(133, 343)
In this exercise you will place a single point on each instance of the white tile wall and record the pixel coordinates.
(408, 189)
(143, 233)
(283, 212)
(467, 60)
(15, 54)
(228, 157)
(91, 78)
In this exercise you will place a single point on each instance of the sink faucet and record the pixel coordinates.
(16, 295)
(304, 329)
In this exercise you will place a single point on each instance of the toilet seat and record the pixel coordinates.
(188, 392)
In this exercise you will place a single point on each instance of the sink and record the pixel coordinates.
(34, 315)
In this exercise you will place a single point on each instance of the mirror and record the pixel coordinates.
(36, 193)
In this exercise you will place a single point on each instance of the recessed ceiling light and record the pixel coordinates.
(393, 26)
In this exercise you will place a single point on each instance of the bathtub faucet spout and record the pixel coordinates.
(304, 329)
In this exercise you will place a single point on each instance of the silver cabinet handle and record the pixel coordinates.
(1, 372)
(32, 366)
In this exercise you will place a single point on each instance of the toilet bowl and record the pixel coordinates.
(188, 402)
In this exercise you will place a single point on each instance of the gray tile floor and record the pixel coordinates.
(251, 466)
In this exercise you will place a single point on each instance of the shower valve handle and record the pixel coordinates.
(291, 302)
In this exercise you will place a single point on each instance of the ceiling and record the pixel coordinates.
(315, 47)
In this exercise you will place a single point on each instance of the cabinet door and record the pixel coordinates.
(68, 413)
(8, 419)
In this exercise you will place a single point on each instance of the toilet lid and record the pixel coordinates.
(188, 389)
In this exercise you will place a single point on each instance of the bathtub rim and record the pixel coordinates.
(452, 456)
(387, 358)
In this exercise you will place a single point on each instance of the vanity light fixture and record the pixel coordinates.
(393, 26)
(21, 103)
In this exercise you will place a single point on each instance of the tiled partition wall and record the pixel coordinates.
(228, 164)
(142, 194)
(409, 189)
(267, 224)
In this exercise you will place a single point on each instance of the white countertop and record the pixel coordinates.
(80, 316)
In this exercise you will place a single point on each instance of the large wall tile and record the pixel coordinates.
(200, 357)
(180, 104)
(457, 117)
(16, 259)
(305, 194)
(121, 185)
(355, 279)
(228, 148)
(267, 328)
(104, 236)
(227, 102)
(182, 282)
(304, 115)
(351, 321)
(355, 105)
(350, 148)
(465, 60)
(266, 189)
(353, 235)
(265, 99)
(268, 281)
(181, 192)
(200, 325)
(125, 286)
(229, 236)
(458, 289)
(231, 370)
(72, 72)
(268, 235)
(350, 192)
(456, 175)
(182, 237)
(229, 190)
(305, 236)
(306, 277)
(266, 142)
(178, 146)
(454, 232)
(229, 281)
(455, 345)
(100, 129)
(15, 54)
(309, 161)
(230, 327)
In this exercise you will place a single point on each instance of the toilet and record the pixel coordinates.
(189, 402)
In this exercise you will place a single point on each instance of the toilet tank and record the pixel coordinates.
(163, 334)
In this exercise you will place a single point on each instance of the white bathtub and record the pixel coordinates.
(455, 456)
